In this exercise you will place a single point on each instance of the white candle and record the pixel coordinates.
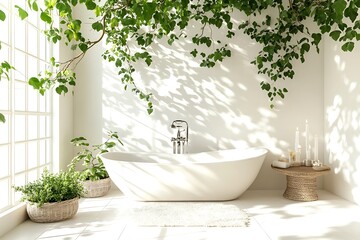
(307, 140)
(297, 135)
(316, 149)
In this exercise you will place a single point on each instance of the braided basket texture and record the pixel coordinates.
(53, 212)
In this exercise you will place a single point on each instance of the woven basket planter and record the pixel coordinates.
(97, 188)
(53, 212)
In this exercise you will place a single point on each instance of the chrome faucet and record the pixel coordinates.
(180, 143)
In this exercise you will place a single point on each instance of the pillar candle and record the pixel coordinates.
(297, 143)
(316, 149)
(307, 152)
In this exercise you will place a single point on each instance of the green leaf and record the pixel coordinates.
(2, 16)
(2, 118)
(97, 26)
(45, 17)
(61, 89)
(325, 29)
(347, 47)
(194, 53)
(34, 6)
(149, 10)
(34, 82)
(335, 34)
(351, 12)
(150, 110)
(52, 61)
(50, 3)
(305, 47)
(83, 47)
(22, 13)
(90, 5)
(97, 11)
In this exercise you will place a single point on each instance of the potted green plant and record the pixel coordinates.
(95, 178)
(53, 197)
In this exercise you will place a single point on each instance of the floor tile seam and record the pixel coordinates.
(108, 202)
(45, 238)
(122, 232)
(261, 227)
(44, 231)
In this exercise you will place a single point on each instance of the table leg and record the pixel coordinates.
(301, 188)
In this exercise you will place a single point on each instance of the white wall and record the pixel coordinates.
(342, 120)
(63, 121)
(224, 106)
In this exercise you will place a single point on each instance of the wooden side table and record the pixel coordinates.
(301, 182)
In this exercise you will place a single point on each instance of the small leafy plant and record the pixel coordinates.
(52, 187)
(89, 156)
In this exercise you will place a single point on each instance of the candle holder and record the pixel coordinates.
(295, 157)
(316, 163)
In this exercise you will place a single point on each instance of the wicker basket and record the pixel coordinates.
(97, 188)
(53, 212)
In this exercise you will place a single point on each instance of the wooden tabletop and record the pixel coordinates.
(301, 171)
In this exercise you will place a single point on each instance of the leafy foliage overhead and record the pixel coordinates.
(280, 27)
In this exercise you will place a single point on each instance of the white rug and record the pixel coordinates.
(188, 214)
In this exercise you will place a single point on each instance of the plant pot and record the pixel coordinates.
(96, 188)
(53, 212)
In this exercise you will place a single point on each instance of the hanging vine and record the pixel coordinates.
(280, 27)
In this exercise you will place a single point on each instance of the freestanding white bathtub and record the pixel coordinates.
(208, 176)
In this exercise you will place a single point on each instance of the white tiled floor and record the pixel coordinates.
(272, 217)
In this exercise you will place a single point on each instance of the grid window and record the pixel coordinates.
(26, 136)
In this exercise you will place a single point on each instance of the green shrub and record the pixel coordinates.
(52, 187)
(94, 168)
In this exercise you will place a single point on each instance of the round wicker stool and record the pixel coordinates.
(301, 182)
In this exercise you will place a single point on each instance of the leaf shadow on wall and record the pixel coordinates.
(224, 105)
(343, 135)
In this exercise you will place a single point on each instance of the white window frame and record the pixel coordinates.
(43, 137)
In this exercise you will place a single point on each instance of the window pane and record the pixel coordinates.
(48, 103)
(4, 131)
(32, 67)
(20, 157)
(4, 56)
(42, 102)
(20, 96)
(4, 36)
(19, 59)
(19, 127)
(33, 175)
(32, 127)
(4, 161)
(48, 126)
(20, 3)
(4, 190)
(32, 154)
(19, 34)
(42, 127)
(32, 40)
(42, 152)
(32, 99)
(43, 48)
(4, 93)
(19, 181)
(48, 151)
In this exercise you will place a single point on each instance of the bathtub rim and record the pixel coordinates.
(261, 153)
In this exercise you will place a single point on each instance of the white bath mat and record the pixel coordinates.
(188, 214)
